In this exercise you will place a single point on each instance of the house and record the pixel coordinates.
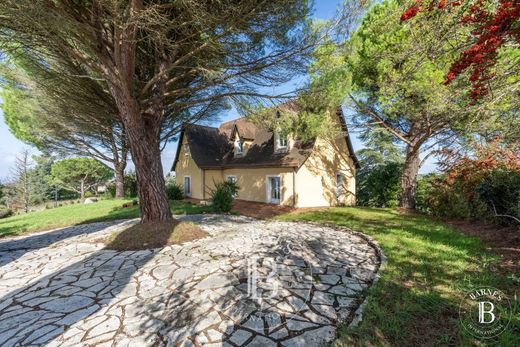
(267, 166)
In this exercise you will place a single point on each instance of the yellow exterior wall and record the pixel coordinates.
(253, 183)
(186, 166)
(212, 177)
(316, 179)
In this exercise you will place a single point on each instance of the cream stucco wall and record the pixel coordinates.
(253, 183)
(314, 182)
(186, 166)
(316, 179)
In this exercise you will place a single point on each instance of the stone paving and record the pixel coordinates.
(251, 283)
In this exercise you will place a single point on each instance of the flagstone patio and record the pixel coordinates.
(252, 283)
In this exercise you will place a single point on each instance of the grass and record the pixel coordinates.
(104, 210)
(430, 267)
(154, 235)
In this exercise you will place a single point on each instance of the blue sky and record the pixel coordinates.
(10, 147)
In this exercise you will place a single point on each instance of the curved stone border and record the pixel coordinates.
(357, 316)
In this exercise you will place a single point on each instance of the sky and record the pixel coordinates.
(10, 147)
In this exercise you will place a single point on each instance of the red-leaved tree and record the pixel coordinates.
(492, 28)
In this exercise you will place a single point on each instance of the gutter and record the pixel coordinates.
(294, 187)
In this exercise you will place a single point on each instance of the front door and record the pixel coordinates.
(187, 186)
(274, 189)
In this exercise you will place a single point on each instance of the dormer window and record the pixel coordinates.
(280, 141)
(186, 149)
(239, 147)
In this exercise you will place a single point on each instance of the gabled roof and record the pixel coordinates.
(212, 148)
(207, 145)
(246, 130)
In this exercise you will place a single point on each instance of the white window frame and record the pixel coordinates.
(278, 141)
(282, 139)
(235, 180)
(188, 194)
(268, 190)
(239, 148)
(234, 176)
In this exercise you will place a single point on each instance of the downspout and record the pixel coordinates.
(203, 184)
(294, 187)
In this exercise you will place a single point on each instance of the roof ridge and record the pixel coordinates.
(200, 125)
(232, 121)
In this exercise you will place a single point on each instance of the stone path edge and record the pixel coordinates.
(356, 316)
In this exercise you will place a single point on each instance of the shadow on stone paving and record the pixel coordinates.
(44, 309)
(216, 309)
(200, 292)
(12, 249)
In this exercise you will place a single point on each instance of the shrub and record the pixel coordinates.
(5, 212)
(448, 201)
(379, 186)
(500, 193)
(130, 186)
(497, 193)
(174, 191)
(222, 196)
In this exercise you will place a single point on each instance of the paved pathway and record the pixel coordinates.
(254, 283)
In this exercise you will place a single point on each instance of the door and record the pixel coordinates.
(187, 186)
(274, 189)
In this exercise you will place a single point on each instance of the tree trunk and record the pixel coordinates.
(120, 181)
(143, 133)
(409, 177)
(82, 190)
(152, 190)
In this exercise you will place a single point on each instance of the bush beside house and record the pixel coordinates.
(222, 196)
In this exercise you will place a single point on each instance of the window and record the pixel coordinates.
(232, 179)
(186, 149)
(239, 148)
(280, 141)
(187, 186)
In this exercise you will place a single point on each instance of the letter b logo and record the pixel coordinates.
(485, 312)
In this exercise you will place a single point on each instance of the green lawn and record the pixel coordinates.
(430, 266)
(79, 214)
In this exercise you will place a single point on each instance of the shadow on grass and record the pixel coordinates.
(178, 207)
(12, 249)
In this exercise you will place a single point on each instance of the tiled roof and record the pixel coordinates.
(213, 147)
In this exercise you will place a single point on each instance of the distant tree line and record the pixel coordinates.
(40, 179)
